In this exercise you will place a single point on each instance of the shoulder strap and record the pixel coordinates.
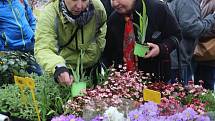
(56, 27)
(99, 24)
(71, 39)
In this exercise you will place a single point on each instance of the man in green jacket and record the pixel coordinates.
(64, 29)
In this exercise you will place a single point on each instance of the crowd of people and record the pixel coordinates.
(177, 33)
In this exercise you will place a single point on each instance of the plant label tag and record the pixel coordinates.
(29, 82)
(24, 81)
(20, 82)
(151, 95)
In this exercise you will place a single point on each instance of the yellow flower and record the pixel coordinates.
(1, 62)
(136, 116)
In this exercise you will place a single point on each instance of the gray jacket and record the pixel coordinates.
(193, 26)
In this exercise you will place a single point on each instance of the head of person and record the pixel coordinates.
(123, 6)
(76, 7)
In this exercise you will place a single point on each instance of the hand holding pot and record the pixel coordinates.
(153, 52)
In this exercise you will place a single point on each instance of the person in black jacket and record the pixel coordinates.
(161, 29)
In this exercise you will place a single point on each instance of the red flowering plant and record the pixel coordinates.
(120, 85)
(129, 85)
(177, 97)
(193, 98)
(170, 106)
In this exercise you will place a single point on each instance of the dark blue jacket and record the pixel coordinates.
(17, 26)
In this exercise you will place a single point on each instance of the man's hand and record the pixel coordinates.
(65, 79)
(153, 52)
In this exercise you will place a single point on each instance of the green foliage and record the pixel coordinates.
(187, 99)
(13, 63)
(210, 100)
(48, 94)
(103, 76)
(78, 73)
(51, 96)
(10, 101)
(143, 23)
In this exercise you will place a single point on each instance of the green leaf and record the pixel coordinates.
(51, 112)
(4, 68)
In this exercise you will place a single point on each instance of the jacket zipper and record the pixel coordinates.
(5, 38)
(19, 25)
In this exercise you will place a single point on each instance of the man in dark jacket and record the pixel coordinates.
(161, 27)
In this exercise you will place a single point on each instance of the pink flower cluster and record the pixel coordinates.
(129, 85)
(120, 85)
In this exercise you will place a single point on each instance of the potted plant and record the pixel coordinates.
(80, 83)
(48, 95)
(13, 63)
(141, 48)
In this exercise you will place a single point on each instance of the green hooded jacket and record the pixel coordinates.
(53, 29)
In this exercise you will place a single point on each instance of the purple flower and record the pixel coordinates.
(149, 109)
(70, 117)
(98, 118)
(67, 118)
(202, 118)
(175, 117)
(189, 114)
(78, 119)
(60, 118)
(162, 118)
(136, 115)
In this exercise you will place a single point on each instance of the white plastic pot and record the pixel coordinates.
(4, 118)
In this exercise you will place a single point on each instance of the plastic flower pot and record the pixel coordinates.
(77, 88)
(140, 49)
(6, 116)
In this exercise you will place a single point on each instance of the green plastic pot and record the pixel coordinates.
(140, 49)
(77, 88)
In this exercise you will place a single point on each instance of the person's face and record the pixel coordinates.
(122, 6)
(76, 6)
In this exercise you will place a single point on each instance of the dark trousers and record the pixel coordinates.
(185, 76)
(207, 74)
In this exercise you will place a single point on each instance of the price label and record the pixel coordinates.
(151, 95)
(27, 82)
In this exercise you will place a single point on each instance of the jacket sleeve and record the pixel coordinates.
(102, 30)
(46, 43)
(30, 16)
(169, 27)
(208, 7)
(190, 20)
